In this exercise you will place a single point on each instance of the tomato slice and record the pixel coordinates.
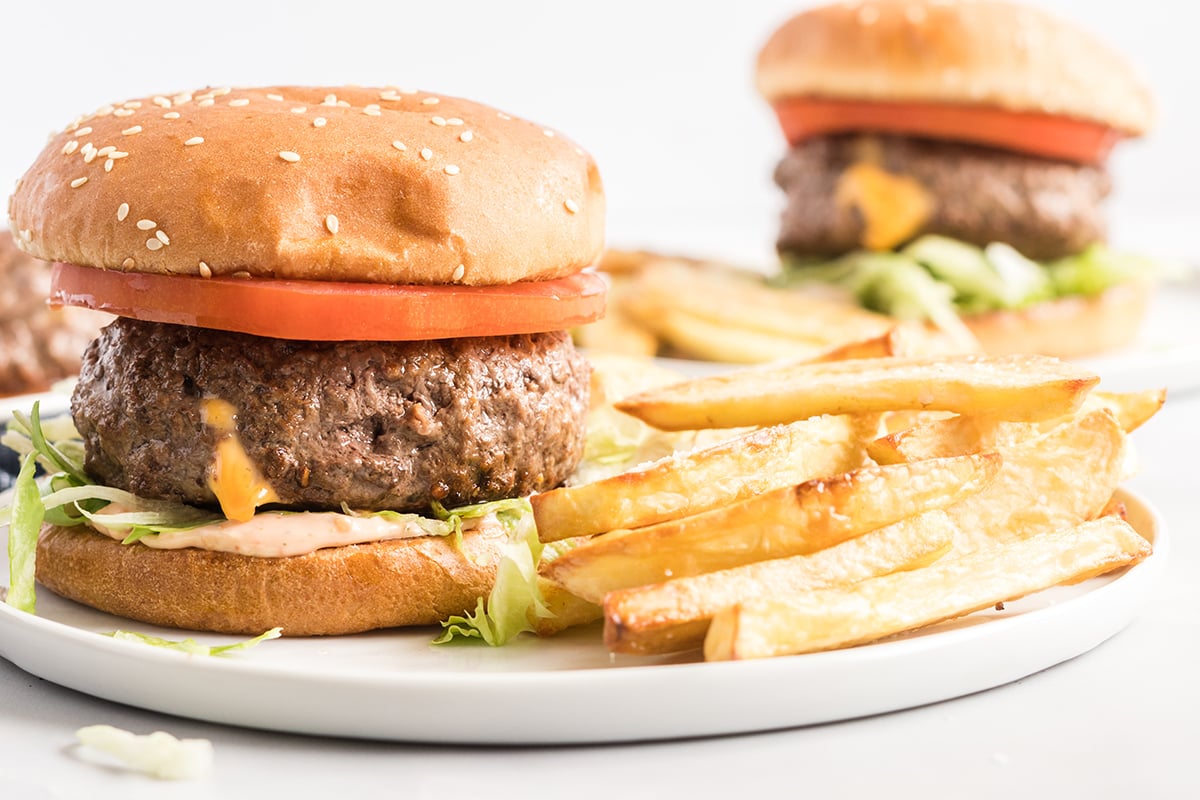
(332, 311)
(1025, 132)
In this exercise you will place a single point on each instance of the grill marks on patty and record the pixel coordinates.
(376, 425)
(1044, 208)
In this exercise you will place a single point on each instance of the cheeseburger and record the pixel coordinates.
(340, 310)
(950, 157)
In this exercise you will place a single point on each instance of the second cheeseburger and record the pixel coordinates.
(339, 308)
(957, 151)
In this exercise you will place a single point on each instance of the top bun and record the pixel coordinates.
(339, 184)
(972, 53)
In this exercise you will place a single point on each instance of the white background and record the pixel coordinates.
(661, 93)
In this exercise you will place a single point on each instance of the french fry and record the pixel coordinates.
(951, 587)
(699, 480)
(1132, 409)
(1017, 387)
(567, 610)
(785, 522)
(616, 333)
(693, 336)
(739, 300)
(1047, 481)
(674, 615)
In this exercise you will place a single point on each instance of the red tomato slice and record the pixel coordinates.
(330, 311)
(1025, 132)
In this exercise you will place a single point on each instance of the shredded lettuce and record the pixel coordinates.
(158, 754)
(935, 277)
(191, 646)
(26, 515)
(515, 595)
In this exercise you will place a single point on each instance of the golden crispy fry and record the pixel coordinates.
(567, 610)
(674, 615)
(697, 481)
(691, 336)
(951, 587)
(616, 333)
(785, 522)
(1131, 409)
(1046, 481)
(1017, 387)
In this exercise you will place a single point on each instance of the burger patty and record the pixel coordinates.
(374, 425)
(1044, 208)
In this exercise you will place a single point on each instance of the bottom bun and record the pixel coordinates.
(1067, 328)
(336, 590)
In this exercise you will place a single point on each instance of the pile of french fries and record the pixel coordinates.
(852, 499)
(713, 311)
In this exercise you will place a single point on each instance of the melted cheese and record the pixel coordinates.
(277, 534)
(235, 480)
(893, 207)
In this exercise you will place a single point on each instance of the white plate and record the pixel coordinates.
(394, 685)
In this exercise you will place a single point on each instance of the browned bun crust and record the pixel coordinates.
(1067, 328)
(331, 591)
(321, 183)
(981, 53)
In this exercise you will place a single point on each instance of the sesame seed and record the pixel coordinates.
(108, 164)
(122, 212)
(399, 145)
(299, 110)
(430, 101)
(84, 131)
(132, 131)
(118, 154)
(372, 110)
(289, 156)
(206, 102)
(104, 111)
(162, 102)
(182, 98)
(224, 90)
(241, 273)
(389, 94)
(104, 151)
(451, 169)
(330, 100)
(146, 224)
(153, 244)
(89, 155)
(331, 223)
(239, 102)
(466, 136)
(194, 140)
(571, 206)
(132, 104)
(171, 115)
(75, 184)
(122, 112)
(459, 271)
(161, 235)
(70, 147)
(502, 115)
(454, 121)
(277, 98)
(319, 122)
(549, 133)
(128, 264)
(205, 270)
(426, 154)
(441, 123)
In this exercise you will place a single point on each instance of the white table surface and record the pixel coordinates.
(1120, 721)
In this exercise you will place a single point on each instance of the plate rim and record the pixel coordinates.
(507, 692)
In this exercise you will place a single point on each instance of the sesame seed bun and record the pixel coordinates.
(336, 590)
(320, 183)
(985, 53)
